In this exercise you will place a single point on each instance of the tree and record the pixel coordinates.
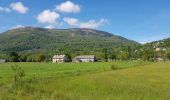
(112, 56)
(40, 57)
(123, 56)
(29, 59)
(23, 58)
(18, 73)
(105, 54)
(13, 57)
(148, 55)
(168, 55)
(129, 52)
(68, 56)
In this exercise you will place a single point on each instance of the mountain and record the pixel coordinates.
(31, 39)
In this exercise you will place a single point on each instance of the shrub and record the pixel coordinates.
(114, 67)
(18, 73)
(40, 57)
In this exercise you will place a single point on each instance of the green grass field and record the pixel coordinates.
(87, 81)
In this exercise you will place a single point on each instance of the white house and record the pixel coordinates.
(85, 58)
(59, 58)
(2, 60)
(159, 59)
(158, 49)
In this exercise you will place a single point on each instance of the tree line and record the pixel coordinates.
(146, 53)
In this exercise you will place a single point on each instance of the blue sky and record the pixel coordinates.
(139, 20)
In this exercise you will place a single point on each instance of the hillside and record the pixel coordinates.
(165, 43)
(161, 44)
(52, 40)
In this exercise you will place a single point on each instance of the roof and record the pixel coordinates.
(86, 57)
(58, 56)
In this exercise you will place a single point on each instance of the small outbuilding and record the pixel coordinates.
(159, 59)
(85, 58)
(2, 60)
(59, 58)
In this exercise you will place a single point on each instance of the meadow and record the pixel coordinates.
(87, 81)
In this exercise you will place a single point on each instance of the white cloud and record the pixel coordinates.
(89, 24)
(71, 21)
(68, 7)
(48, 16)
(93, 23)
(4, 9)
(19, 7)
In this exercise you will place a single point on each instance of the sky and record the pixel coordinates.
(139, 20)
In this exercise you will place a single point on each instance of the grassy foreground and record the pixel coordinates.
(45, 70)
(88, 81)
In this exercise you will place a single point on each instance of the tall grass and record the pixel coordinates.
(88, 81)
(42, 70)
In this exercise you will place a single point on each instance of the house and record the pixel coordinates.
(158, 49)
(159, 59)
(2, 60)
(85, 58)
(59, 58)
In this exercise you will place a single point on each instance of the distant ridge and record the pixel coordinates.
(164, 43)
(82, 39)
